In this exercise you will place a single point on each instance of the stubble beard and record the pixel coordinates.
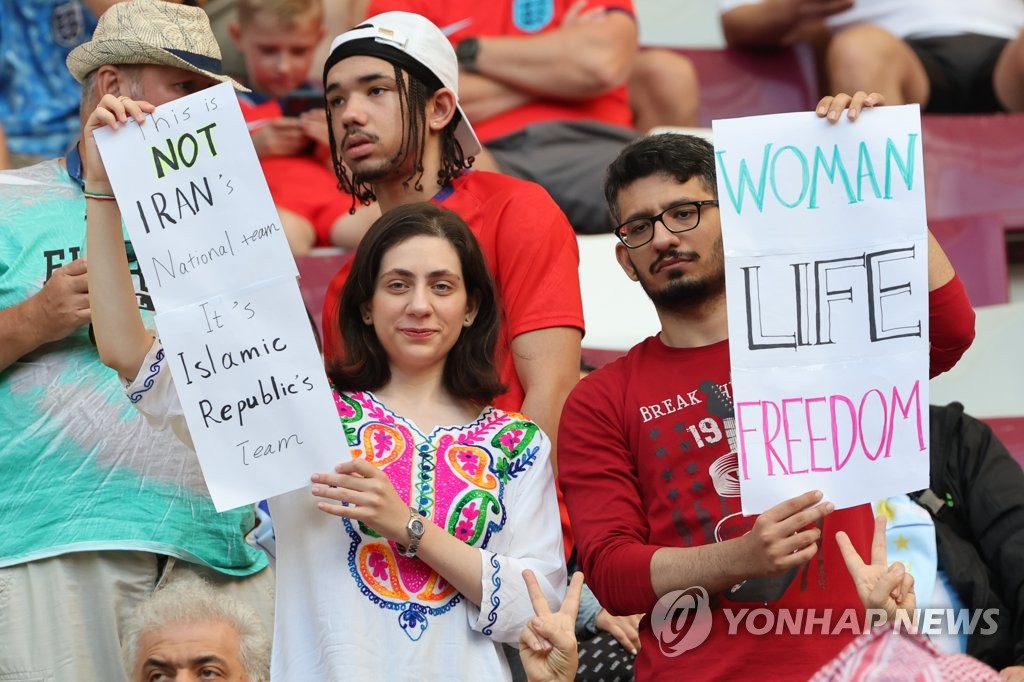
(389, 169)
(684, 293)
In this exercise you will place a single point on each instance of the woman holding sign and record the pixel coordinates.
(409, 556)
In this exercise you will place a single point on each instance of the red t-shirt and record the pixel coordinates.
(532, 254)
(464, 18)
(300, 184)
(637, 479)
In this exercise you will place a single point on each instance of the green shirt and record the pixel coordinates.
(80, 469)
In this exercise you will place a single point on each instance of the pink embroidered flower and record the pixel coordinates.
(464, 529)
(470, 462)
(344, 409)
(511, 439)
(382, 440)
(379, 565)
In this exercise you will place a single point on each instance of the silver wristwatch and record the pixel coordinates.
(415, 528)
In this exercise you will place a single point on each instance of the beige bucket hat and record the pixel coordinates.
(152, 32)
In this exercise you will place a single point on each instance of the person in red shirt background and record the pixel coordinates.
(544, 82)
(652, 503)
(277, 40)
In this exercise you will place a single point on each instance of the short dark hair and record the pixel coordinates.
(415, 85)
(469, 371)
(679, 156)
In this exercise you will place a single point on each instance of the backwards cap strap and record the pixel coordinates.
(369, 47)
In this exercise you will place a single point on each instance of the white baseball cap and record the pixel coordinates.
(415, 44)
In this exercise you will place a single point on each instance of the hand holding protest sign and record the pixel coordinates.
(236, 334)
(825, 242)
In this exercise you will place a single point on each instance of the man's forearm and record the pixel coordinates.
(715, 567)
(765, 24)
(483, 98)
(570, 63)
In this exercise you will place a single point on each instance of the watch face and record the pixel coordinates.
(416, 527)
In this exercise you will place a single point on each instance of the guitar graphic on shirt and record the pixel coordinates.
(724, 473)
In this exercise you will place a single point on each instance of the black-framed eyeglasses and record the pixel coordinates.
(677, 218)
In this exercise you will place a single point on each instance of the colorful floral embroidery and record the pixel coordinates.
(486, 515)
(454, 476)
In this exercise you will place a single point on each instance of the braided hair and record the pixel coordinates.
(413, 93)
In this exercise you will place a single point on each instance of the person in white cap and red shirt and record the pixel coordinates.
(97, 508)
(399, 135)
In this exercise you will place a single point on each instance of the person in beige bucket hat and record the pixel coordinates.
(101, 507)
(155, 33)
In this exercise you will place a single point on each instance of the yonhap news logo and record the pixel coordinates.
(682, 621)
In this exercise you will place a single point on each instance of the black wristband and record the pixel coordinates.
(466, 52)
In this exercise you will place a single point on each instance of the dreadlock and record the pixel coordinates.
(413, 96)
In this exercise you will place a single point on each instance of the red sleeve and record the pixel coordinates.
(537, 263)
(950, 324)
(602, 493)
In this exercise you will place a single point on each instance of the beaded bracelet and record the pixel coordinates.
(97, 196)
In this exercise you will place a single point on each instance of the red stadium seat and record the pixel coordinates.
(315, 272)
(975, 164)
(976, 245)
(750, 83)
(1010, 430)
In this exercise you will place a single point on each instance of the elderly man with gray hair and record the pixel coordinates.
(186, 631)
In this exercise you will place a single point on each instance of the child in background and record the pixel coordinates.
(277, 39)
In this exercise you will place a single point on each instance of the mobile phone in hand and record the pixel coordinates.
(301, 101)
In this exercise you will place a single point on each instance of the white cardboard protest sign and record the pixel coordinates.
(252, 383)
(235, 331)
(194, 199)
(826, 257)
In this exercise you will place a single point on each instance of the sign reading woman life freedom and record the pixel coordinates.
(229, 312)
(826, 261)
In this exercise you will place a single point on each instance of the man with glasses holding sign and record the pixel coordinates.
(647, 446)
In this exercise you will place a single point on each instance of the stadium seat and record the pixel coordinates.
(975, 164)
(315, 272)
(1010, 430)
(750, 83)
(616, 310)
(976, 245)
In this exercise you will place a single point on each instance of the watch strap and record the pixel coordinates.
(466, 52)
(409, 550)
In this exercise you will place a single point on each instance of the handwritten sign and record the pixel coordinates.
(826, 257)
(235, 331)
(194, 199)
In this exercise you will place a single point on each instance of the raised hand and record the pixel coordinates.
(547, 645)
(780, 537)
(111, 111)
(831, 106)
(878, 586)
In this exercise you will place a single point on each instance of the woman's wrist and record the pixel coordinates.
(92, 187)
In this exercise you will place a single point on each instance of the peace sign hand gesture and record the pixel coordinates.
(547, 645)
(878, 587)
